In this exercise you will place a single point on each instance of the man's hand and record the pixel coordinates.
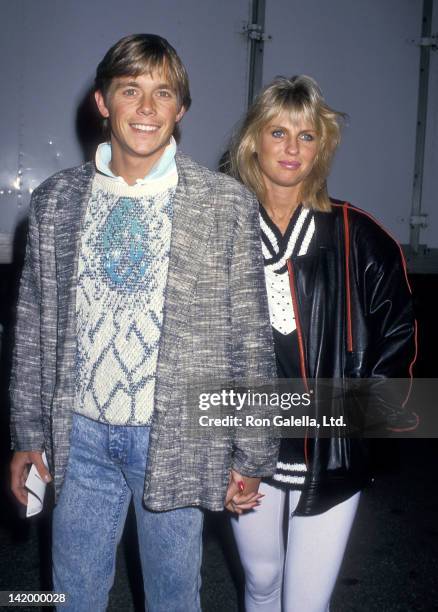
(20, 464)
(242, 493)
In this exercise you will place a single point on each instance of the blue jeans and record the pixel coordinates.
(106, 467)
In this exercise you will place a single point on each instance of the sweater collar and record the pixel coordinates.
(161, 169)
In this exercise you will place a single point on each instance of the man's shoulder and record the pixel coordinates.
(214, 180)
(62, 185)
(65, 180)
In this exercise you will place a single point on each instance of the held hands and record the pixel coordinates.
(20, 464)
(242, 493)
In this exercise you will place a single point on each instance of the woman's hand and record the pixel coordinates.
(242, 493)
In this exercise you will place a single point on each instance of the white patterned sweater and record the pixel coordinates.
(122, 276)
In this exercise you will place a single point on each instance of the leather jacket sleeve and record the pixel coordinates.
(386, 301)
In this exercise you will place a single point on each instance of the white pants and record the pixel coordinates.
(304, 576)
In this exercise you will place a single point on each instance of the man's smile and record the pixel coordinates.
(145, 127)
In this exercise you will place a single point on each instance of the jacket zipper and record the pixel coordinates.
(300, 343)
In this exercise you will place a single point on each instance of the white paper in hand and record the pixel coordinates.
(36, 489)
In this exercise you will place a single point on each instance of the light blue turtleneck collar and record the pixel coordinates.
(164, 166)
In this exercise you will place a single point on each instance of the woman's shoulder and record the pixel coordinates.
(363, 229)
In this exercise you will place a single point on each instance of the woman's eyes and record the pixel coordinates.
(305, 136)
(277, 133)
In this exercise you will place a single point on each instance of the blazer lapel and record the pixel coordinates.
(193, 218)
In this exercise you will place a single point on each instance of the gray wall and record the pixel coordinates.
(49, 52)
(360, 55)
(429, 236)
(358, 51)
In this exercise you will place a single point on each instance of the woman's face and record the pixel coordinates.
(286, 151)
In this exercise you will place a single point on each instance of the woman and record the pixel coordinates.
(340, 307)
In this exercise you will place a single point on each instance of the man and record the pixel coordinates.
(143, 276)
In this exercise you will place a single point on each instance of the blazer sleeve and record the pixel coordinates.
(25, 388)
(253, 350)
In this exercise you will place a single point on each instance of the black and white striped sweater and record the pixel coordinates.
(277, 249)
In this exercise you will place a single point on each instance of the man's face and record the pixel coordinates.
(142, 112)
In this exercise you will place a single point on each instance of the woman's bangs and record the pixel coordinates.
(303, 113)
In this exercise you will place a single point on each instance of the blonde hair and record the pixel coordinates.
(301, 97)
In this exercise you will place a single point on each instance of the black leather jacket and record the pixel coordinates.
(353, 309)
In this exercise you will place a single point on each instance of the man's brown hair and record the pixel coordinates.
(143, 53)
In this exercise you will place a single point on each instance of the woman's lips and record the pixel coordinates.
(290, 165)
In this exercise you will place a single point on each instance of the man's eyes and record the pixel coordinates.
(129, 92)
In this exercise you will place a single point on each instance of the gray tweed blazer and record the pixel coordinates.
(216, 326)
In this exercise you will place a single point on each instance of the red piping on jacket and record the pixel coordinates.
(347, 278)
(345, 207)
(300, 343)
(298, 322)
